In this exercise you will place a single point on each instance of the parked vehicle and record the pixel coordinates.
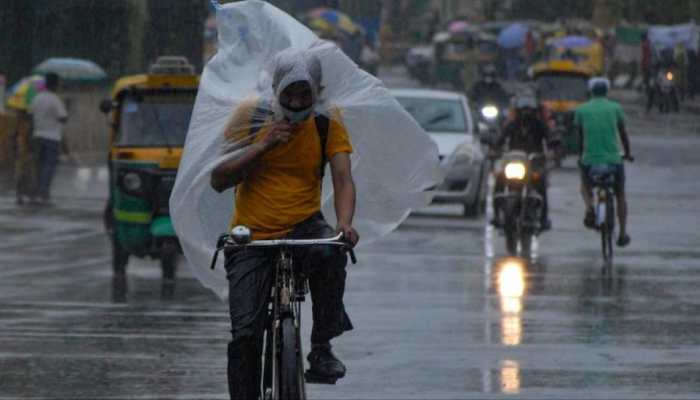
(518, 206)
(149, 116)
(446, 117)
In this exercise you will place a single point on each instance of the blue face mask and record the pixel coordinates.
(297, 116)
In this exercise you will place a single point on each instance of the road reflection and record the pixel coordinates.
(510, 377)
(508, 281)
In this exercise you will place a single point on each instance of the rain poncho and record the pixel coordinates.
(262, 50)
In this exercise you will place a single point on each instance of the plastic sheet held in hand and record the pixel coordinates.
(261, 50)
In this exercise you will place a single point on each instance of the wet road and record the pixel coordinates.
(439, 311)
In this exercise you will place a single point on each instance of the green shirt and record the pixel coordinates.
(599, 119)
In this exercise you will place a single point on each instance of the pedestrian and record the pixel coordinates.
(693, 73)
(645, 61)
(680, 60)
(24, 159)
(48, 118)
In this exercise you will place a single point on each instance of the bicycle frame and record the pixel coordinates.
(602, 186)
(288, 291)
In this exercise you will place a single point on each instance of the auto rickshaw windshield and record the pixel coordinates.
(155, 119)
(562, 88)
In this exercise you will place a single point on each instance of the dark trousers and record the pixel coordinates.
(250, 276)
(47, 151)
(540, 186)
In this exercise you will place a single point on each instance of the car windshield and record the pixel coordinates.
(562, 87)
(155, 119)
(436, 115)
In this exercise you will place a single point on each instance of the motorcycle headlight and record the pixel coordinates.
(132, 181)
(489, 112)
(515, 170)
(669, 75)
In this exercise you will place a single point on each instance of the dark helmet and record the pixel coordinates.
(488, 73)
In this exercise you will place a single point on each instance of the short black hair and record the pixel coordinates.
(52, 80)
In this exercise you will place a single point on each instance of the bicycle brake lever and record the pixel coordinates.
(219, 246)
(213, 260)
(353, 259)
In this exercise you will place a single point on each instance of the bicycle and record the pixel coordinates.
(603, 183)
(283, 363)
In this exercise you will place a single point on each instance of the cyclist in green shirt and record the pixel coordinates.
(601, 126)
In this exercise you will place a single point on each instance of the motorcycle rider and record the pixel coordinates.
(600, 123)
(527, 132)
(488, 90)
(278, 179)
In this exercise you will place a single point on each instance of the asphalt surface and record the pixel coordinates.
(439, 311)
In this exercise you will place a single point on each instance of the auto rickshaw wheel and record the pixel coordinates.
(168, 259)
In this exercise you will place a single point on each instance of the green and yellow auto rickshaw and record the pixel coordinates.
(149, 117)
(562, 85)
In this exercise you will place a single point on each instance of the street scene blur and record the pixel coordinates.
(336, 199)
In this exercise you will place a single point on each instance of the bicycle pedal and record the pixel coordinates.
(311, 377)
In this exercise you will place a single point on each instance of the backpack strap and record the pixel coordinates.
(322, 125)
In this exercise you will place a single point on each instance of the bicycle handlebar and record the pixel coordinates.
(226, 241)
(332, 241)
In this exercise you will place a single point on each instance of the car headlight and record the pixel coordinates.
(489, 112)
(132, 181)
(515, 170)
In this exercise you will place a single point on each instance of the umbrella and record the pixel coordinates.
(335, 18)
(20, 95)
(458, 27)
(72, 70)
(513, 36)
(572, 42)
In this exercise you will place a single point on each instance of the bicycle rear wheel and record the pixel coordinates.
(607, 229)
(610, 225)
(291, 374)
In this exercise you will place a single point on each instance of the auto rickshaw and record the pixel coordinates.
(562, 85)
(149, 117)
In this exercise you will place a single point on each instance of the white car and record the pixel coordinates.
(446, 117)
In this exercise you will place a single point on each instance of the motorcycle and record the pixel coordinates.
(667, 92)
(517, 205)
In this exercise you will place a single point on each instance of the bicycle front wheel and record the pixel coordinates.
(291, 371)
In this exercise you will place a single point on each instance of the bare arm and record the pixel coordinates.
(344, 187)
(624, 138)
(233, 171)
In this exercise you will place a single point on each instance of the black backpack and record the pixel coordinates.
(261, 113)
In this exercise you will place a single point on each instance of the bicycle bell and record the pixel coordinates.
(241, 234)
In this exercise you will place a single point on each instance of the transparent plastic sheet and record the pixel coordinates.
(393, 160)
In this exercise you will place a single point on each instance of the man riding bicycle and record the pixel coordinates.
(527, 132)
(600, 122)
(277, 177)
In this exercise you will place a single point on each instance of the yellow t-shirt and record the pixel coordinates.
(284, 187)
